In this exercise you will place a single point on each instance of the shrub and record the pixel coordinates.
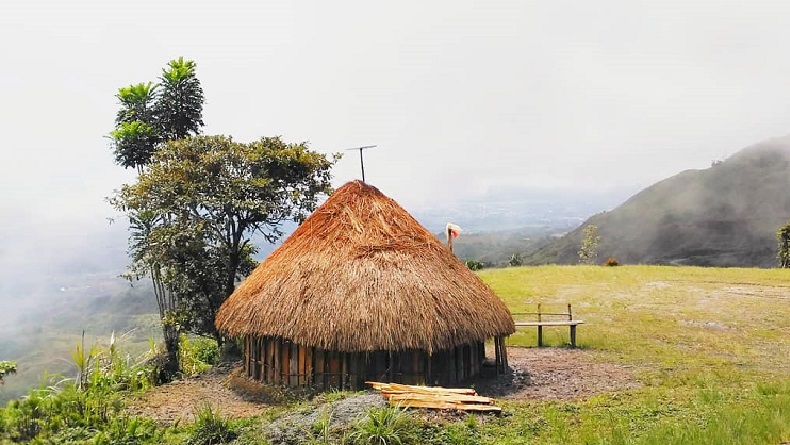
(210, 427)
(611, 261)
(383, 426)
(196, 355)
(85, 409)
(474, 265)
(6, 368)
(516, 260)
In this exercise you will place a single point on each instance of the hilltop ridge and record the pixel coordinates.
(725, 215)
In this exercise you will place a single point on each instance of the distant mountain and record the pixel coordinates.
(725, 215)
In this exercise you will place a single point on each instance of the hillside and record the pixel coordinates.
(668, 355)
(725, 215)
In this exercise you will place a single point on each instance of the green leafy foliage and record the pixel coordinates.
(179, 107)
(6, 368)
(783, 247)
(383, 426)
(588, 250)
(152, 114)
(516, 260)
(195, 208)
(210, 427)
(87, 409)
(197, 355)
(135, 142)
(474, 265)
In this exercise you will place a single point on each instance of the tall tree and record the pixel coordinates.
(197, 205)
(135, 136)
(179, 107)
(152, 114)
(588, 251)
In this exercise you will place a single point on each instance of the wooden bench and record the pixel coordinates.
(541, 322)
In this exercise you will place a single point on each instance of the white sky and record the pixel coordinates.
(460, 96)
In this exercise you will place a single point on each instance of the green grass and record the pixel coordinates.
(711, 346)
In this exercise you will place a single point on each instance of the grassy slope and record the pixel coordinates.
(712, 347)
(725, 215)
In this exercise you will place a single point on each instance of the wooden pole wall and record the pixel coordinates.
(277, 361)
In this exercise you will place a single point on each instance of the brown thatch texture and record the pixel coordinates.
(361, 274)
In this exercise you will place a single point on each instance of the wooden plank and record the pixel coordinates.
(378, 386)
(334, 369)
(302, 374)
(504, 353)
(558, 314)
(573, 336)
(285, 362)
(455, 398)
(258, 364)
(247, 356)
(459, 364)
(293, 377)
(451, 369)
(550, 323)
(353, 371)
(442, 405)
(277, 361)
(272, 352)
(320, 369)
(309, 379)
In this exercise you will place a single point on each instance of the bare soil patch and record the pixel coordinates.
(557, 374)
(538, 373)
(180, 399)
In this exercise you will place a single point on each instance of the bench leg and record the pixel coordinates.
(573, 336)
(540, 336)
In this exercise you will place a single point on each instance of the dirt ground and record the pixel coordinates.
(557, 374)
(538, 373)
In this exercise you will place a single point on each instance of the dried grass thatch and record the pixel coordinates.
(361, 274)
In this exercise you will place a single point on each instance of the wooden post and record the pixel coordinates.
(540, 336)
(310, 381)
(302, 377)
(570, 314)
(320, 369)
(504, 353)
(428, 370)
(573, 336)
(498, 354)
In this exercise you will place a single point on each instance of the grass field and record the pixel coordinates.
(711, 348)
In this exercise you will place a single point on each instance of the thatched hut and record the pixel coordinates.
(361, 291)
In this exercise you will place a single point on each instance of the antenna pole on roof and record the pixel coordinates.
(361, 161)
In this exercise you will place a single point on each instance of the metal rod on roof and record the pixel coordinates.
(361, 160)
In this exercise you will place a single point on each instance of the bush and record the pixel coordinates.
(516, 260)
(611, 261)
(196, 355)
(210, 427)
(474, 265)
(383, 426)
(87, 409)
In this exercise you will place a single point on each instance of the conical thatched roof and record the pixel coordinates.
(361, 274)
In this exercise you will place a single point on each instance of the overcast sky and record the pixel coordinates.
(459, 96)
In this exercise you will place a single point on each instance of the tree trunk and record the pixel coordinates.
(171, 365)
(218, 339)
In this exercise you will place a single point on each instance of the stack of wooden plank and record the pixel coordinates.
(436, 397)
